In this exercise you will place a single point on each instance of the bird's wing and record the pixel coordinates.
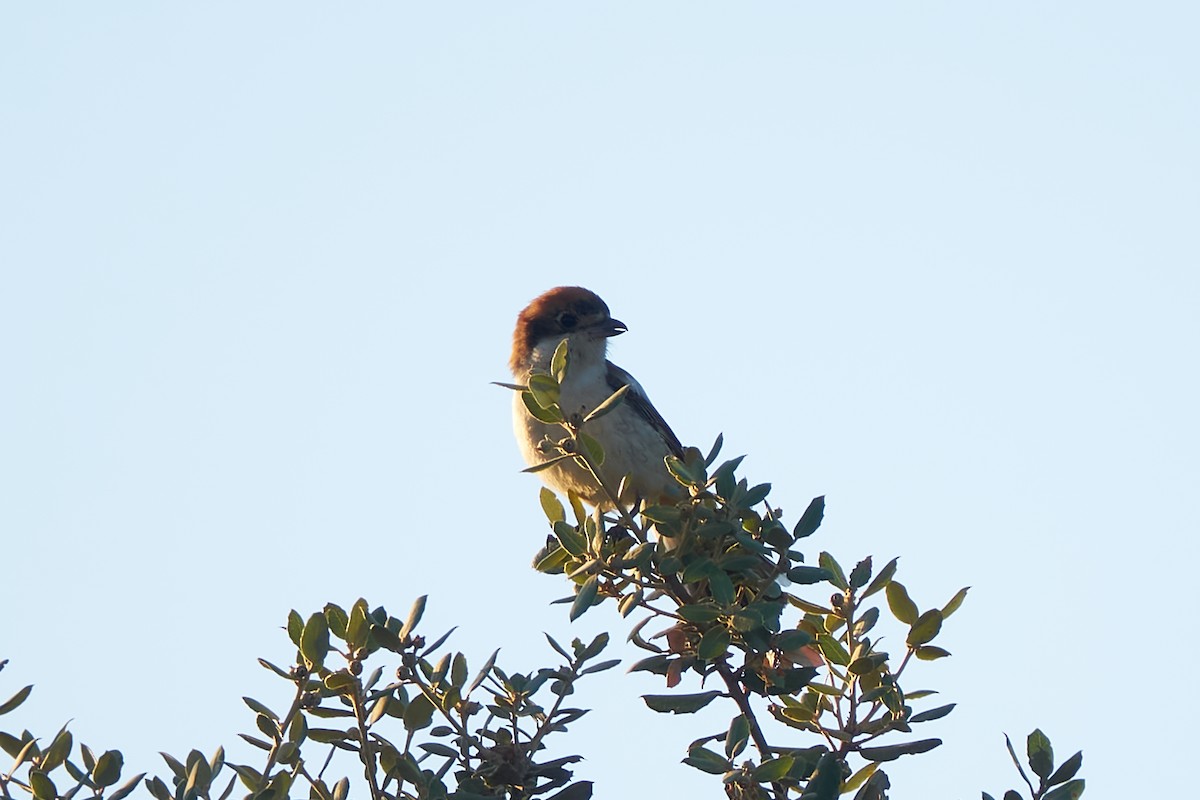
(636, 399)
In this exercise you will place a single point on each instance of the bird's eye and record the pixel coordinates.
(567, 320)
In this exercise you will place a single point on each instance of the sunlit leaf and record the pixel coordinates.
(925, 628)
(414, 616)
(773, 769)
(830, 563)
(902, 606)
(551, 506)
(930, 652)
(955, 602)
(881, 580)
(609, 404)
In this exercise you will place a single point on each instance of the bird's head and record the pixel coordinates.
(565, 312)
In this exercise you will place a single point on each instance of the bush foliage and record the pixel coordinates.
(719, 593)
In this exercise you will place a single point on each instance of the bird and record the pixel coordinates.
(634, 436)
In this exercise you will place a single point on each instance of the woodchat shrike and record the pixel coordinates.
(634, 436)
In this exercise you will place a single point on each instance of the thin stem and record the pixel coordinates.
(284, 724)
(743, 704)
(366, 751)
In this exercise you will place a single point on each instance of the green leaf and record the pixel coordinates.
(882, 579)
(600, 666)
(721, 587)
(545, 465)
(43, 787)
(328, 735)
(56, 754)
(1071, 790)
(338, 620)
(419, 713)
(929, 652)
(16, 700)
(484, 670)
(706, 760)
(1041, 754)
(832, 650)
(825, 780)
(716, 449)
(810, 520)
(955, 602)
(571, 540)
(414, 616)
(1067, 770)
(295, 627)
(458, 671)
(861, 573)
(551, 506)
(386, 639)
(108, 768)
(679, 703)
(544, 389)
(27, 748)
(792, 639)
(866, 621)
(683, 472)
(713, 644)
(127, 788)
(859, 778)
(738, 736)
(902, 606)
(875, 788)
(259, 708)
(894, 751)
(933, 713)
(339, 682)
(314, 641)
(1012, 753)
(806, 575)
(773, 769)
(558, 361)
(550, 416)
(925, 628)
(358, 626)
(830, 563)
(584, 597)
(662, 514)
(608, 405)
(755, 495)
(868, 663)
(700, 612)
(593, 449)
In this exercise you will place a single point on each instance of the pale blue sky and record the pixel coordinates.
(937, 261)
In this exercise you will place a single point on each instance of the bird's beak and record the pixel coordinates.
(615, 328)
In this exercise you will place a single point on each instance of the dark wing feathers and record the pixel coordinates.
(636, 399)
